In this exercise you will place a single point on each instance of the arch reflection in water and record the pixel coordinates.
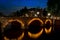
(13, 30)
(35, 28)
(48, 26)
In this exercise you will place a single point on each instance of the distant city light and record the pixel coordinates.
(26, 15)
(51, 17)
(49, 14)
(37, 12)
(32, 11)
(35, 15)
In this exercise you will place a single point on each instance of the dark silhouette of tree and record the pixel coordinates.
(44, 12)
(23, 11)
(20, 12)
(17, 13)
(54, 5)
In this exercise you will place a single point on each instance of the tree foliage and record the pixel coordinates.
(44, 12)
(54, 6)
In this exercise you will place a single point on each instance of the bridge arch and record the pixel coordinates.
(36, 35)
(22, 25)
(11, 20)
(48, 27)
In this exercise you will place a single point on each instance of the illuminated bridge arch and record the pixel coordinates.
(48, 27)
(11, 20)
(22, 25)
(36, 35)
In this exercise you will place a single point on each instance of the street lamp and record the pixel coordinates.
(37, 13)
(49, 14)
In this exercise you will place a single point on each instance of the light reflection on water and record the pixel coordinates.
(52, 36)
(55, 34)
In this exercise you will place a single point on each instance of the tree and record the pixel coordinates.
(44, 12)
(20, 12)
(23, 11)
(54, 6)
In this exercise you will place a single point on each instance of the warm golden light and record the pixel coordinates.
(48, 20)
(5, 38)
(35, 19)
(22, 24)
(35, 35)
(48, 30)
(20, 38)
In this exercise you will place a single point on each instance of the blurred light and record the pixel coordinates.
(35, 15)
(51, 17)
(32, 11)
(49, 14)
(38, 13)
(35, 35)
(48, 30)
(5, 38)
(26, 15)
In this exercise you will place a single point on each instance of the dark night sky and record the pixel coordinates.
(8, 6)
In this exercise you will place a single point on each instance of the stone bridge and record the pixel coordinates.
(25, 21)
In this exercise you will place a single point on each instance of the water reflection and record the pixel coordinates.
(35, 29)
(35, 26)
(13, 30)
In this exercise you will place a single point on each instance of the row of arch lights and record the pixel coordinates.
(29, 33)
